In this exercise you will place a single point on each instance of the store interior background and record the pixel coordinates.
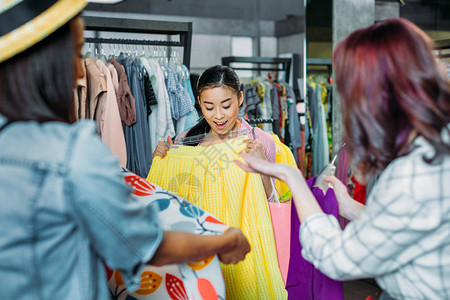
(233, 27)
(274, 28)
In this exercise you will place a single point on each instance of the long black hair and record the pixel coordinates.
(37, 84)
(212, 77)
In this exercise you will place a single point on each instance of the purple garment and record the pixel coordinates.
(304, 281)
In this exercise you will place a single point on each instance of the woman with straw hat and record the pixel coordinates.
(65, 205)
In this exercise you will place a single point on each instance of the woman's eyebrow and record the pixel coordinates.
(223, 101)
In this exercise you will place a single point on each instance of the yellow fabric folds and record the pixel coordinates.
(208, 177)
(284, 156)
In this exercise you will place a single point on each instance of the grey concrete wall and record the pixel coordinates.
(386, 10)
(348, 15)
(230, 9)
(219, 26)
(291, 44)
(211, 39)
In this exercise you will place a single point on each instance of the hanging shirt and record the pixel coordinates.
(110, 124)
(150, 97)
(267, 107)
(192, 117)
(96, 90)
(80, 96)
(137, 136)
(401, 237)
(125, 99)
(252, 107)
(209, 178)
(114, 79)
(180, 103)
(160, 119)
(304, 281)
(294, 122)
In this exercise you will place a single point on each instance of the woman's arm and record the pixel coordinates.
(305, 202)
(178, 247)
(348, 207)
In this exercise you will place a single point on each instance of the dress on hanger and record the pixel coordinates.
(209, 178)
(304, 281)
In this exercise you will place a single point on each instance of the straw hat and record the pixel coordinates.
(23, 23)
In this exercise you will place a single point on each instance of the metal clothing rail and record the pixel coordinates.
(284, 64)
(264, 121)
(132, 42)
(442, 44)
(318, 62)
(443, 47)
(260, 121)
(182, 29)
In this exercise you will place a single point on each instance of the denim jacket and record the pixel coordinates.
(65, 209)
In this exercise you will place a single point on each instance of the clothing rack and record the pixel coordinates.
(260, 121)
(443, 45)
(283, 64)
(182, 29)
(315, 62)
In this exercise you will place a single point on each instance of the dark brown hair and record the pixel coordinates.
(37, 84)
(392, 89)
(214, 76)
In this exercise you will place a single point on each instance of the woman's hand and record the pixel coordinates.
(262, 166)
(238, 247)
(255, 149)
(348, 207)
(162, 148)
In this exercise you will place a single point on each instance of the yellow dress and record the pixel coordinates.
(283, 155)
(209, 178)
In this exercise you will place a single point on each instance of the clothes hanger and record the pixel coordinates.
(209, 138)
(102, 55)
(89, 54)
(162, 64)
(328, 170)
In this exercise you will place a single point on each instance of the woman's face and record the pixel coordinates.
(220, 107)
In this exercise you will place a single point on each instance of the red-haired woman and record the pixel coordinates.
(396, 108)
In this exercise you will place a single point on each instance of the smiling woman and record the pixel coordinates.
(219, 97)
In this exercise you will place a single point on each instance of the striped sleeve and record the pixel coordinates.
(268, 144)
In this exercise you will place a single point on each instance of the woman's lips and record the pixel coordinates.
(221, 125)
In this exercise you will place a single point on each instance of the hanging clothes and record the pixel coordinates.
(96, 90)
(80, 96)
(139, 156)
(304, 280)
(125, 99)
(209, 178)
(160, 119)
(192, 117)
(267, 106)
(180, 103)
(110, 125)
(149, 93)
(283, 156)
(320, 148)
